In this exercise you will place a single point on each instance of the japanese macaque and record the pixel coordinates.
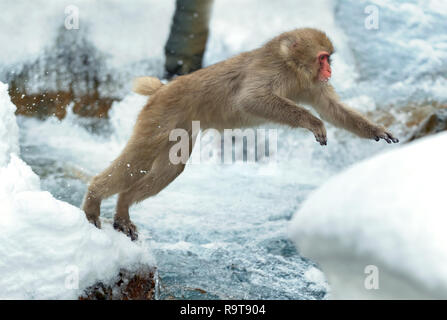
(252, 88)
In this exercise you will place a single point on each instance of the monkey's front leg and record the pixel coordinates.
(357, 123)
(334, 111)
(284, 111)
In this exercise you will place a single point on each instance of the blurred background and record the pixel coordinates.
(217, 231)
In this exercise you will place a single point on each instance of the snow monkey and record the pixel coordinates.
(255, 87)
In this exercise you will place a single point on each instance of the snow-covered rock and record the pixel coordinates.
(9, 131)
(381, 223)
(48, 250)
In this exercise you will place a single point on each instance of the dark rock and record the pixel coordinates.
(69, 72)
(42, 105)
(434, 123)
(141, 285)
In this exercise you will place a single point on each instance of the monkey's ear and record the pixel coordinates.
(286, 45)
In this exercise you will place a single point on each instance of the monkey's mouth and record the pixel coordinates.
(325, 73)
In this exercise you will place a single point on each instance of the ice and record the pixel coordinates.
(387, 211)
(48, 249)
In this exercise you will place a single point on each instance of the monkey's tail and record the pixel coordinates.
(146, 85)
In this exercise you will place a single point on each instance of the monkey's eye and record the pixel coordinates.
(324, 57)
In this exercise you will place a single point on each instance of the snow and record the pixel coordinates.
(387, 211)
(9, 131)
(317, 279)
(34, 25)
(48, 249)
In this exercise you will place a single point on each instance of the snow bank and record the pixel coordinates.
(9, 131)
(48, 249)
(389, 212)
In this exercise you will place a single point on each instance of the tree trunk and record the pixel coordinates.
(187, 40)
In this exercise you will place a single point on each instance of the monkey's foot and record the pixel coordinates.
(126, 227)
(94, 220)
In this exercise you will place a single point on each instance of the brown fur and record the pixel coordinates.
(146, 85)
(252, 88)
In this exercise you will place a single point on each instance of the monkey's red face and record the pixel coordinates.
(324, 67)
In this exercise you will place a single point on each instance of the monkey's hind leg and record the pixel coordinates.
(91, 207)
(162, 173)
(99, 189)
(117, 178)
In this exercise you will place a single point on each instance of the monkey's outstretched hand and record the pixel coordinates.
(381, 133)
